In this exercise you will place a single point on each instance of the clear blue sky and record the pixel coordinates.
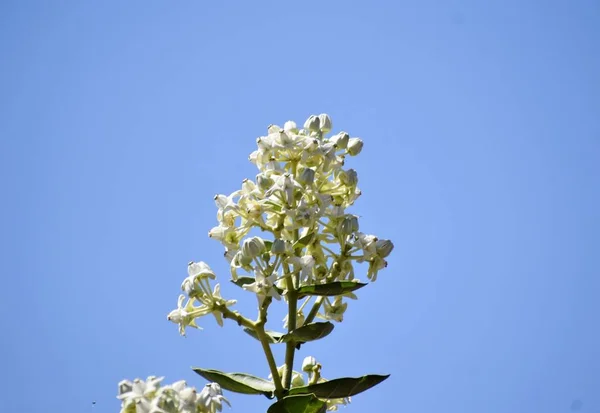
(119, 121)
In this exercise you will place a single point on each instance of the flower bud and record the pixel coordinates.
(217, 233)
(253, 247)
(272, 129)
(324, 122)
(384, 247)
(349, 225)
(349, 177)
(307, 176)
(220, 201)
(308, 364)
(242, 260)
(340, 140)
(312, 123)
(125, 386)
(264, 182)
(290, 126)
(279, 247)
(355, 145)
(248, 186)
(297, 379)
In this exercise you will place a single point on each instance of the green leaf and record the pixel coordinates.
(304, 241)
(329, 289)
(274, 336)
(238, 382)
(306, 403)
(308, 332)
(243, 280)
(340, 388)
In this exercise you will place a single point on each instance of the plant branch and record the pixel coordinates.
(259, 329)
(314, 310)
(240, 319)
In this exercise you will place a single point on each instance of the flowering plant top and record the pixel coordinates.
(304, 257)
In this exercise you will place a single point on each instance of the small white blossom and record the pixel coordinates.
(263, 287)
(308, 363)
(333, 311)
(185, 316)
(211, 397)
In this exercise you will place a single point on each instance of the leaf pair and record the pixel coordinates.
(308, 332)
(332, 389)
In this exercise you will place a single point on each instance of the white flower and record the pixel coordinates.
(211, 303)
(287, 185)
(375, 264)
(368, 243)
(263, 286)
(229, 237)
(324, 122)
(304, 265)
(308, 364)
(138, 393)
(211, 397)
(196, 272)
(187, 400)
(186, 315)
(332, 404)
(333, 311)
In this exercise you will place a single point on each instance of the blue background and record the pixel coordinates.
(121, 120)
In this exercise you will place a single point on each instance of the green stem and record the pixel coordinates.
(314, 310)
(259, 329)
(292, 296)
(240, 319)
(290, 348)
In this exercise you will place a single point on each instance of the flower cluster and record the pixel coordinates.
(307, 250)
(197, 288)
(148, 396)
(299, 197)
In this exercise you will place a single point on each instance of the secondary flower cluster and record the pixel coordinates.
(148, 396)
(197, 288)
